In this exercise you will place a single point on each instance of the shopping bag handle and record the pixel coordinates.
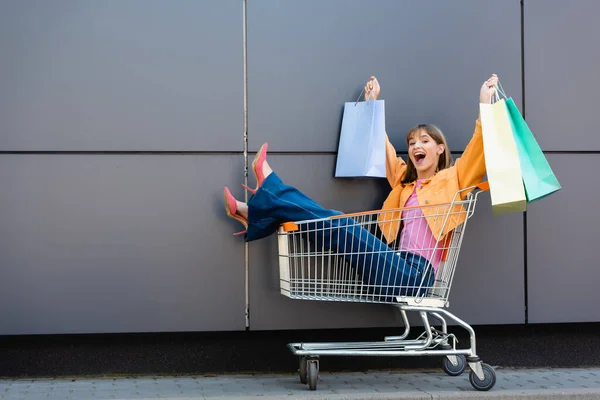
(359, 96)
(499, 93)
(500, 89)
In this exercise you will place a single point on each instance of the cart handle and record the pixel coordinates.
(482, 186)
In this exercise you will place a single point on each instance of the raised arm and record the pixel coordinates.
(470, 167)
(395, 167)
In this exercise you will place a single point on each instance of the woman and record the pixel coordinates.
(427, 177)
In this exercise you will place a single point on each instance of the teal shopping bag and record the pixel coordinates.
(361, 150)
(538, 179)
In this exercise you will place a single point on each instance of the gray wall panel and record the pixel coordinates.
(140, 243)
(306, 58)
(562, 266)
(489, 284)
(96, 243)
(488, 287)
(561, 67)
(121, 75)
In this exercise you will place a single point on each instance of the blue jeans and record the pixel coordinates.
(380, 267)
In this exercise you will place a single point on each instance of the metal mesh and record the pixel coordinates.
(339, 258)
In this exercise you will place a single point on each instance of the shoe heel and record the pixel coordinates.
(253, 191)
(230, 210)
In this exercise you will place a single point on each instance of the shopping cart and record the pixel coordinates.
(342, 258)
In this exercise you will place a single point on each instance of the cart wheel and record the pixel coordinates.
(454, 370)
(488, 381)
(313, 372)
(302, 369)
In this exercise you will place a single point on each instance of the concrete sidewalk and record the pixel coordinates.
(581, 383)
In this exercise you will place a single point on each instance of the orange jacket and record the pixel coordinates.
(467, 171)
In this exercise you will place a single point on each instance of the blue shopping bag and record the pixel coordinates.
(538, 178)
(361, 150)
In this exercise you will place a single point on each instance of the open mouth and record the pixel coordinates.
(419, 157)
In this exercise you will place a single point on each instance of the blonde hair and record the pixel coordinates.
(436, 134)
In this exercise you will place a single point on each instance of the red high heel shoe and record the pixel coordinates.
(231, 210)
(257, 165)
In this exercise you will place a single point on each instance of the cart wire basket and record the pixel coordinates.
(346, 258)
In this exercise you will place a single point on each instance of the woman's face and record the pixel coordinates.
(424, 152)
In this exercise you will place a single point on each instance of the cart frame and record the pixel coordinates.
(431, 303)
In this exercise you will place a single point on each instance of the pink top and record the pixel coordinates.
(416, 237)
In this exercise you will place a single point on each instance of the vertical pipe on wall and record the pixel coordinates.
(245, 72)
(525, 294)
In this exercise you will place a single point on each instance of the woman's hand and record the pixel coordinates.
(372, 89)
(488, 90)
